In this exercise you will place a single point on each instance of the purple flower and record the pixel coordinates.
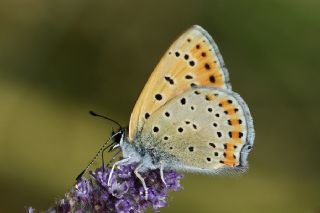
(173, 180)
(157, 198)
(118, 189)
(123, 206)
(63, 206)
(104, 196)
(83, 189)
(125, 193)
(31, 210)
(101, 176)
(126, 171)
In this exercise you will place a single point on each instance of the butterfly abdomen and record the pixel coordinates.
(147, 153)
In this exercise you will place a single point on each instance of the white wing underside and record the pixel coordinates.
(205, 129)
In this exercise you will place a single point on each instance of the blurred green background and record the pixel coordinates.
(59, 59)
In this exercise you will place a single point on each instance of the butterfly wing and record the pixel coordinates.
(192, 60)
(203, 129)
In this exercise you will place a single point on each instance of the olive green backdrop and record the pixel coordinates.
(59, 59)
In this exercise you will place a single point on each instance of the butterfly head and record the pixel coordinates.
(117, 138)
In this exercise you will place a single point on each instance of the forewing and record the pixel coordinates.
(192, 60)
(203, 128)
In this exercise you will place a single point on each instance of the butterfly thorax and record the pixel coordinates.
(139, 152)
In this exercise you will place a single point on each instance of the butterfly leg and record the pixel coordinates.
(118, 163)
(136, 172)
(161, 174)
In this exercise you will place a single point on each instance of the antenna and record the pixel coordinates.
(105, 117)
(103, 147)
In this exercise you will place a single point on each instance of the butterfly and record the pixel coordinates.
(187, 117)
